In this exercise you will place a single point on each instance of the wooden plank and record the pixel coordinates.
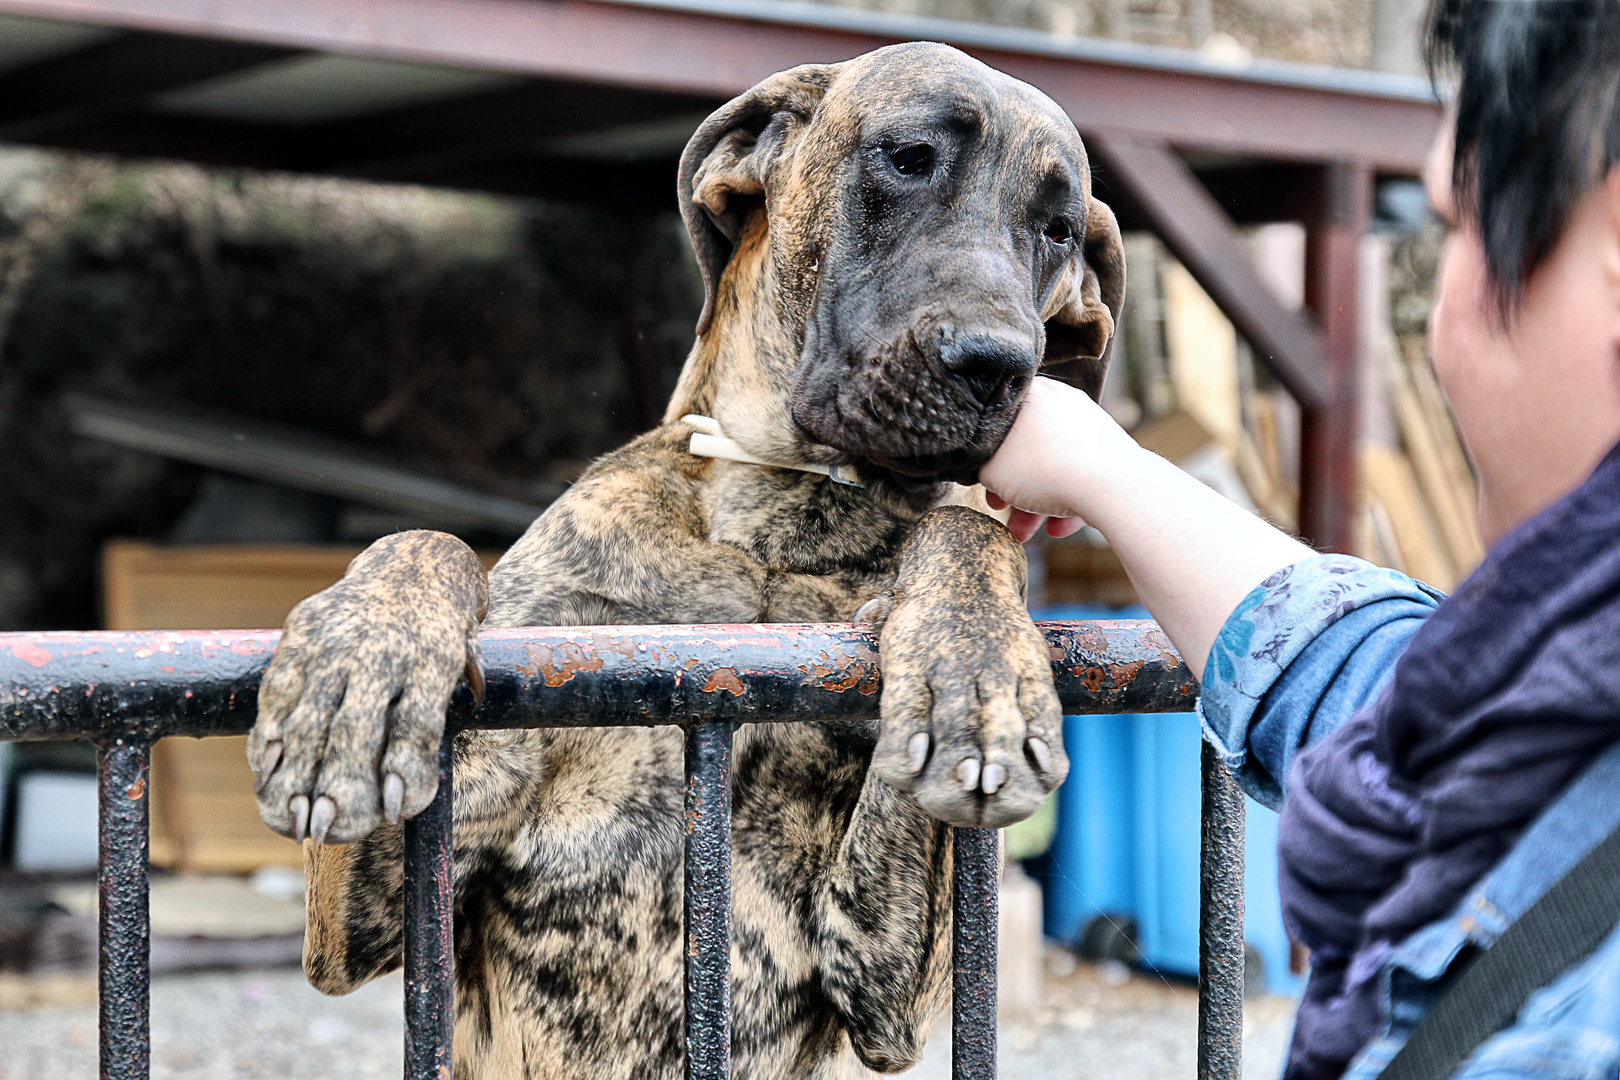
(1451, 507)
(1393, 487)
(204, 817)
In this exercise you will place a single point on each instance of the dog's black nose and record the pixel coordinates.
(987, 365)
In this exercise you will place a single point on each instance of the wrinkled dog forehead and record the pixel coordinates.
(928, 84)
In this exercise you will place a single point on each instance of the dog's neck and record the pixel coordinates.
(740, 374)
(740, 371)
(708, 440)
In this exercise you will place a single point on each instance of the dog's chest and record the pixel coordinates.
(590, 887)
(823, 548)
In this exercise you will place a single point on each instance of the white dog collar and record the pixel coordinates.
(708, 441)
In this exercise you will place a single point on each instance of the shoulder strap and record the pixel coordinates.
(1565, 926)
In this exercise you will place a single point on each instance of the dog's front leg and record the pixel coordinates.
(351, 715)
(884, 927)
(971, 722)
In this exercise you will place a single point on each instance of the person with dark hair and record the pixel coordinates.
(1441, 764)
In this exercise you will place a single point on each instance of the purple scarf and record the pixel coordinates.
(1511, 687)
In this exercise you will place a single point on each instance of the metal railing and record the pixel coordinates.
(125, 690)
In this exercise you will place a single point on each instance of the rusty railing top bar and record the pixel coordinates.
(91, 685)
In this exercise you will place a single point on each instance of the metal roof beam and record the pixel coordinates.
(721, 47)
(404, 143)
(1164, 191)
(116, 76)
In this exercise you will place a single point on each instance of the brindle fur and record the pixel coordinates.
(568, 842)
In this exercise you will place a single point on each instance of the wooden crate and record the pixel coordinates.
(203, 815)
(204, 818)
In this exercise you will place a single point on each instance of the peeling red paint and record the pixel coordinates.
(1155, 638)
(30, 653)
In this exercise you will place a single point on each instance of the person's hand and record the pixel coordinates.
(1061, 443)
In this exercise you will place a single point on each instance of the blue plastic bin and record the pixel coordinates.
(1126, 845)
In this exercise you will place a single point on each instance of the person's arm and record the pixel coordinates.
(1192, 554)
(1287, 643)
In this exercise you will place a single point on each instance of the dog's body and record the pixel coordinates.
(568, 843)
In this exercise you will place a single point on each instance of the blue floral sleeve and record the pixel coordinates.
(1303, 651)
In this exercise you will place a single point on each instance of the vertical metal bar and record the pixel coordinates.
(125, 939)
(430, 959)
(707, 903)
(1328, 434)
(1220, 924)
(975, 880)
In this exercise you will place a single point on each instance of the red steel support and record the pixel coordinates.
(1328, 469)
(1183, 214)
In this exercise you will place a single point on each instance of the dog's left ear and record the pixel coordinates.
(1084, 308)
(728, 161)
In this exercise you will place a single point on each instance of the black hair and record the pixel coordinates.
(1538, 119)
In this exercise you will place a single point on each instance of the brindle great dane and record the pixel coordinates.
(891, 247)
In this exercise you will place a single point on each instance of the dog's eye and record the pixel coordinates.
(1058, 231)
(914, 160)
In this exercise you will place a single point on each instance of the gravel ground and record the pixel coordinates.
(273, 1025)
(232, 1026)
(1097, 1023)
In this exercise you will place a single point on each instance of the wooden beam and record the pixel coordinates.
(116, 76)
(1162, 190)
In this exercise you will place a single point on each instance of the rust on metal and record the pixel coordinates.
(975, 888)
(75, 685)
(707, 901)
(430, 961)
(126, 689)
(124, 937)
(723, 679)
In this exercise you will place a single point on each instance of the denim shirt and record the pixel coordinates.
(1304, 650)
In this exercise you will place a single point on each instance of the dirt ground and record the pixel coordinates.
(271, 1024)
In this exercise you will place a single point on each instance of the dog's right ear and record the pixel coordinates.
(728, 161)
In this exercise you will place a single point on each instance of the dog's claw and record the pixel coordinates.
(995, 774)
(298, 806)
(917, 751)
(875, 612)
(393, 797)
(474, 674)
(968, 773)
(270, 761)
(1040, 752)
(321, 818)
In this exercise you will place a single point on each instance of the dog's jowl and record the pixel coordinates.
(891, 248)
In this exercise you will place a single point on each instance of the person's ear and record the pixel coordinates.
(1084, 306)
(1611, 198)
(729, 160)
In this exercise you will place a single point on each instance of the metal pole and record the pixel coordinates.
(430, 959)
(1327, 500)
(975, 879)
(125, 940)
(707, 904)
(1220, 924)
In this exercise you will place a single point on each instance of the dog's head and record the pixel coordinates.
(927, 230)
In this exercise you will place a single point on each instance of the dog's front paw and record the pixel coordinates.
(352, 708)
(971, 722)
